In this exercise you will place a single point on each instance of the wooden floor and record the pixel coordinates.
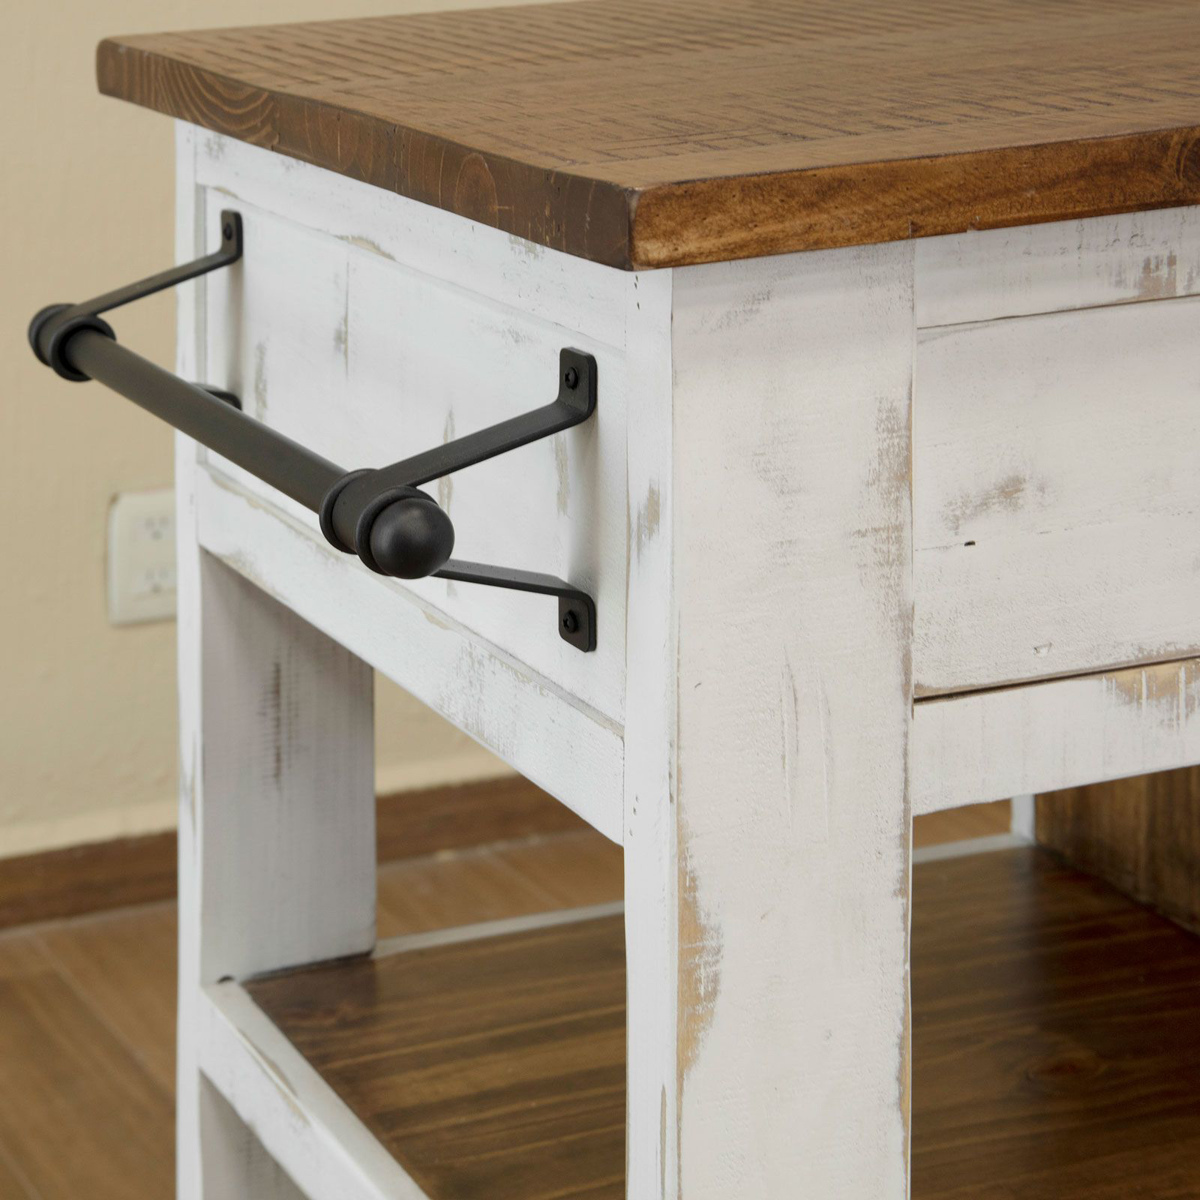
(1055, 1052)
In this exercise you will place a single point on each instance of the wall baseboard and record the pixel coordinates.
(141, 870)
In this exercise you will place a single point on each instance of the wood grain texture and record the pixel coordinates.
(681, 131)
(1053, 1041)
(123, 964)
(490, 1069)
(1054, 1046)
(103, 876)
(78, 1117)
(84, 879)
(1142, 835)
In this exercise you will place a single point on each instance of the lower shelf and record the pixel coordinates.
(1054, 1046)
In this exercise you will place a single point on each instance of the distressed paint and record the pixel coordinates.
(997, 273)
(520, 716)
(782, 625)
(745, 498)
(1057, 734)
(1055, 494)
(276, 840)
(414, 360)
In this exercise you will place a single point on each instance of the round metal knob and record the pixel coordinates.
(412, 537)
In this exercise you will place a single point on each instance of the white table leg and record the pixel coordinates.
(276, 826)
(770, 701)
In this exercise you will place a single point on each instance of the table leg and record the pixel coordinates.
(767, 818)
(276, 826)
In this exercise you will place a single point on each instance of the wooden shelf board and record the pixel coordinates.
(1054, 1045)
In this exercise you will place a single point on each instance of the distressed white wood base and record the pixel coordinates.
(745, 509)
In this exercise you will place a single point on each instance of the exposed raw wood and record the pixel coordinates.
(107, 875)
(680, 132)
(122, 964)
(1055, 495)
(1140, 834)
(1059, 734)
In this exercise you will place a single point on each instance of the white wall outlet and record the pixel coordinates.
(141, 557)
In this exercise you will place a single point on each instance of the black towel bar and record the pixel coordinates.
(378, 514)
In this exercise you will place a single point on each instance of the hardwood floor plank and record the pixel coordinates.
(12, 1187)
(455, 889)
(959, 824)
(124, 965)
(574, 871)
(78, 1114)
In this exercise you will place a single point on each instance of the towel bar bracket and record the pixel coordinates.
(379, 514)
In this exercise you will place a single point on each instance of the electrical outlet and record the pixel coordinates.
(141, 557)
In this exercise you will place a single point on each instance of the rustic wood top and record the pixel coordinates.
(647, 133)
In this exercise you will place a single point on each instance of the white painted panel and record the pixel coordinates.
(368, 361)
(575, 753)
(1062, 265)
(1058, 734)
(1056, 495)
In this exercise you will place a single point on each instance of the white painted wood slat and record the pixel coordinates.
(997, 273)
(1062, 733)
(1056, 498)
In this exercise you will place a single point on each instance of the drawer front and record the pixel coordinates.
(1056, 494)
(330, 337)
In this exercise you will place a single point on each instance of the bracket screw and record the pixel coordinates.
(227, 232)
(571, 378)
(570, 621)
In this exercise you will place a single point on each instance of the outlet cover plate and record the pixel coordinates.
(141, 557)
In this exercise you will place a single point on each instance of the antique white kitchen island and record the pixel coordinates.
(881, 497)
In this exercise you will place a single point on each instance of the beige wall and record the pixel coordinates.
(87, 711)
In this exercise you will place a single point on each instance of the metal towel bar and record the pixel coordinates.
(378, 514)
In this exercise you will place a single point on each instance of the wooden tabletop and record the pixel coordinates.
(647, 133)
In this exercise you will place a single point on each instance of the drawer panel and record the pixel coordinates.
(367, 359)
(1056, 495)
